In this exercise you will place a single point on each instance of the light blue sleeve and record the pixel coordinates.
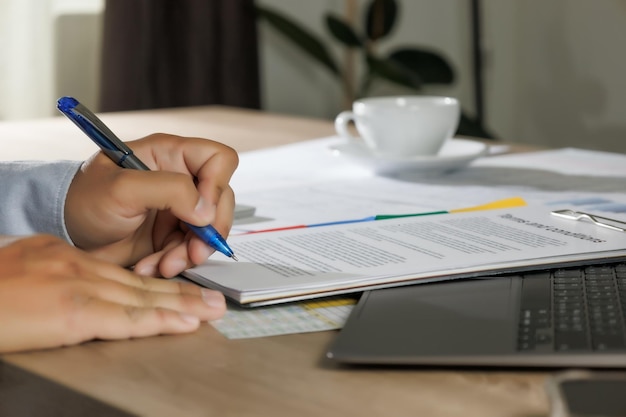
(32, 197)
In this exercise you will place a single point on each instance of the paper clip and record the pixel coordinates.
(597, 220)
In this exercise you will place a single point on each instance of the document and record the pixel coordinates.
(306, 263)
(305, 183)
(317, 315)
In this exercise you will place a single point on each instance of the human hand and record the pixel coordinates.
(133, 217)
(52, 294)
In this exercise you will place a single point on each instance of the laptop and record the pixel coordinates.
(553, 318)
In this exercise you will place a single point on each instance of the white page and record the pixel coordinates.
(304, 183)
(569, 161)
(314, 260)
(313, 161)
(347, 199)
(292, 165)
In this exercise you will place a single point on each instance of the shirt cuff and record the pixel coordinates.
(33, 197)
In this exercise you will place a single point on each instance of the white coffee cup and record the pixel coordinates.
(402, 126)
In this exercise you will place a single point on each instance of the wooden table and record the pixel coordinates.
(205, 374)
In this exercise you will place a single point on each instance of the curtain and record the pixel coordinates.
(170, 53)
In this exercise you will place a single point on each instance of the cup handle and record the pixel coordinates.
(341, 124)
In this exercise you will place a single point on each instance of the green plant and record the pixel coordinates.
(409, 67)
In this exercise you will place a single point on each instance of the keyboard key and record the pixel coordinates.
(536, 289)
(574, 309)
(608, 342)
(566, 341)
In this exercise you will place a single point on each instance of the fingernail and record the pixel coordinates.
(212, 298)
(205, 209)
(178, 265)
(146, 270)
(208, 251)
(188, 318)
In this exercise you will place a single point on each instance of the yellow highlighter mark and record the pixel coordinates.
(499, 204)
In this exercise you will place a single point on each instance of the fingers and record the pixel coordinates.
(130, 289)
(185, 298)
(132, 217)
(210, 163)
(107, 281)
(117, 321)
(225, 212)
(192, 182)
(180, 254)
(174, 259)
(197, 251)
(213, 178)
(52, 294)
(125, 311)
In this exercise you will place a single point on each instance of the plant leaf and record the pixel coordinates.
(391, 71)
(366, 83)
(342, 31)
(431, 67)
(300, 36)
(380, 18)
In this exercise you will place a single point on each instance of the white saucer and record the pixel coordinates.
(455, 154)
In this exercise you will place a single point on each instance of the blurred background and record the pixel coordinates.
(534, 71)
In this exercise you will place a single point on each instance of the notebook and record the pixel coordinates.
(363, 254)
(552, 318)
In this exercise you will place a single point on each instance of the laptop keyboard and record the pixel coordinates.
(574, 309)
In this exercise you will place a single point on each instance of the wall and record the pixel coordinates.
(556, 73)
(554, 69)
(49, 48)
(25, 60)
(438, 25)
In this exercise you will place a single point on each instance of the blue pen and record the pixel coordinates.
(123, 156)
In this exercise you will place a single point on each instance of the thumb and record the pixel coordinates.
(142, 191)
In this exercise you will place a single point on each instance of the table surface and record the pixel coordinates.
(204, 373)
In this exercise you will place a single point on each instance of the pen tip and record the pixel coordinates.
(234, 257)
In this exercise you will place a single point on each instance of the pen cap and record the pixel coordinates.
(95, 129)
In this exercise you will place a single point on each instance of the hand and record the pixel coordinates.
(133, 217)
(52, 294)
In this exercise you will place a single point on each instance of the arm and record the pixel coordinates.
(53, 294)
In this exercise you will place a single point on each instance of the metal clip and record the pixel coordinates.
(597, 220)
